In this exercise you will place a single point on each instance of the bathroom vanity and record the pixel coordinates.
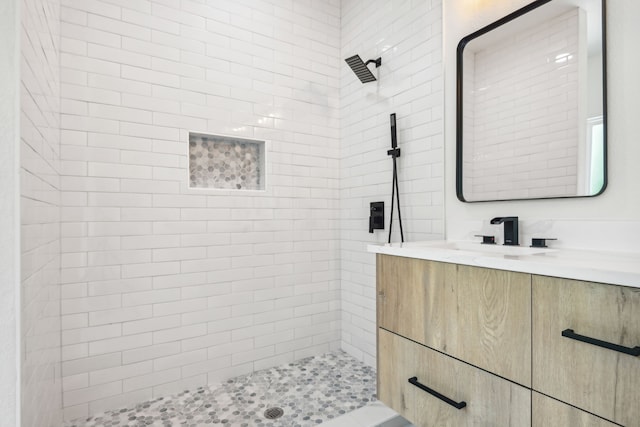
(476, 336)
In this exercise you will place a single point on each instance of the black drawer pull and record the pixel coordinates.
(626, 350)
(457, 405)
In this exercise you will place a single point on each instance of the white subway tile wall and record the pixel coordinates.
(407, 35)
(40, 213)
(531, 149)
(165, 287)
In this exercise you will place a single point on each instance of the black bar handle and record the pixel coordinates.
(635, 351)
(457, 405)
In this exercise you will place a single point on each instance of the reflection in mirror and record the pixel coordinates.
(531, 113)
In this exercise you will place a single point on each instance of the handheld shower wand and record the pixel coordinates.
(394, 136)
(395, 190)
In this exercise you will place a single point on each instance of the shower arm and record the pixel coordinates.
(378, 62)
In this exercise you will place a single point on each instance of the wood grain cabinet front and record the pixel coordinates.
(548, 412)
(481, 316)
(586, 346)
(432, 389)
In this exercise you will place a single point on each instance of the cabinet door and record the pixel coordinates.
(415, 297)
(489, 400)
(550, 412)
(479, 315)
(600, 380)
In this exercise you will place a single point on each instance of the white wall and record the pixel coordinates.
(40, 213)
(407, 35)
(609, 221)
(167, 288)
(9, 214)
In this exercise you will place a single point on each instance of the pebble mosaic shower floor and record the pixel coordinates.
(310, 392)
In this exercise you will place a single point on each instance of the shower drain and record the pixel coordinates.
(273, 413)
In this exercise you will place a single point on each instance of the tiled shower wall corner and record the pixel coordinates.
(407, 35)
(166, 288)
(40, 213)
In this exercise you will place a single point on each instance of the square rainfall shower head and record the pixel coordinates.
(360, 68)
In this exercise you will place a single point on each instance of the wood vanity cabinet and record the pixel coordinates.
(510, 345)
(600, 380)
(548, 412)
(478, 315)
(489, 400)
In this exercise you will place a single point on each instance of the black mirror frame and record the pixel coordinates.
(459, 99)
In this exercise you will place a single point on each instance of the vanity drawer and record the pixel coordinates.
(479, 315)
(490, 400)
(603, 381)
(550, 412)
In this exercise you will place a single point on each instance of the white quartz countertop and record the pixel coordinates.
(616, 268)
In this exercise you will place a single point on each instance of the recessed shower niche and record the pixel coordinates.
(226, 163)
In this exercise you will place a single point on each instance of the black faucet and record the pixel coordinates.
(510, 229)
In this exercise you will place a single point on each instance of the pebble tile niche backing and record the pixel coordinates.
(222, 162)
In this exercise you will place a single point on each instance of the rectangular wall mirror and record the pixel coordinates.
(531, 104)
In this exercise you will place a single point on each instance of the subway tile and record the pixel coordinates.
(84, 395)
(120, 113)
(88, 364)
(183, 306)
(118, 84)
(119, 200)
(118, 142)
(150, 241)
(74, 336)
(73, 321)
(180, 333)
(118, 257)
(178, 360)
(150, 76)
(119, 315)
(74, 382)
(117, 55)
(177, 254)
(119, 27)
(150, 297)
(149, 380)
(204, 316)
(119, 170)
(119, 344)
(150, 325)
(92, 65)
(119, 228)
(150, 214)
(208, 340)
(142, 46)
(147, 20)
(80, 31)
(150, 269)
(119, 373)
(119, 286)
(150, 352)
(179, 280)
(148, 131)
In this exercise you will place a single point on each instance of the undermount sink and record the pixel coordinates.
(477, 247)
